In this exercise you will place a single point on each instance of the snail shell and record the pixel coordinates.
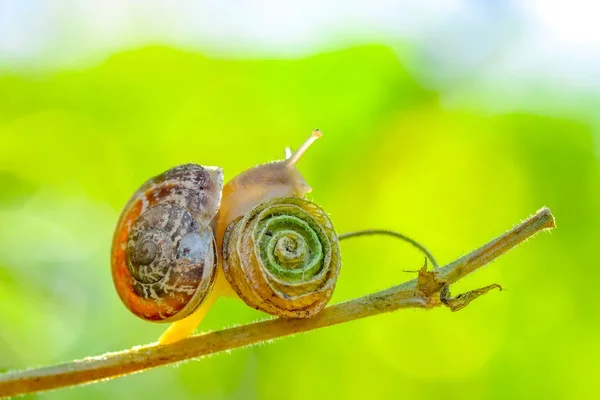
(283, 257)
(164, 257)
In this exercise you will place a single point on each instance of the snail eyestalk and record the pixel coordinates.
(371, 232)
(288, 152)
(293, 159)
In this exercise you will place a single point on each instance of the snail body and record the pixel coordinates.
(186, 221)
(261, 183)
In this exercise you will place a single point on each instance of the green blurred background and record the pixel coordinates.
(451, 130)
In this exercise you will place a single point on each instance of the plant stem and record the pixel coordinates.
(397, 235)
(428, 290)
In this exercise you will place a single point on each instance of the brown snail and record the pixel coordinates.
(184, 239)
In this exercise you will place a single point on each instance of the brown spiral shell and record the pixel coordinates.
(164, 257)
(283, 257)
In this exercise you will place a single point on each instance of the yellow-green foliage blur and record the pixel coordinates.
(75, 144)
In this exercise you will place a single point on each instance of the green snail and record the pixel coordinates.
(184, 239)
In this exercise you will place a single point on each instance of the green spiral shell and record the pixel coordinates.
(283, 257)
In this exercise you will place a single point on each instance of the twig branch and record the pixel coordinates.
(430, 289)
(397, 235)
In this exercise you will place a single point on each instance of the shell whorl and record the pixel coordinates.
(283, 257)
(164, 257)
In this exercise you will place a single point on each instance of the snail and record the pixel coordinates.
(184, 239)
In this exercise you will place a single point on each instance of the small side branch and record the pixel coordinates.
(430, 289)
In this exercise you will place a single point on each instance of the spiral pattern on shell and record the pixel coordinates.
(283, 257)
(164, 257)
